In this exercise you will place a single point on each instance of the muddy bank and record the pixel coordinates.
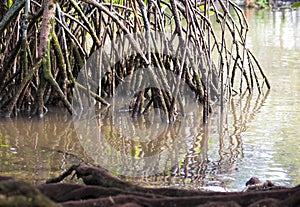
(102, 189)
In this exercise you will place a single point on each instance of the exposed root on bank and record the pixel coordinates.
(103, 189)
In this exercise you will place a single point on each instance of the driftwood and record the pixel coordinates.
(103, 189)
(254, 184)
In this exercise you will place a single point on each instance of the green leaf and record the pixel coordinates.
(9, 3)
(201, 7)
(296, 5)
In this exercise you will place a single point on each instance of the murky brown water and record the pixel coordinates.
(261, 135)
(34, 149)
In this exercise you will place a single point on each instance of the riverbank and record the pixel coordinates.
(102, 189)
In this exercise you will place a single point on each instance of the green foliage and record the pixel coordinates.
(263, 3)
(296, 5)
(201, 7)
(9, 3)
(121, 2)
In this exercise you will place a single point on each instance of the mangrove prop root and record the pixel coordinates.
(71, 31)
(16, 7)
(103, 189)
